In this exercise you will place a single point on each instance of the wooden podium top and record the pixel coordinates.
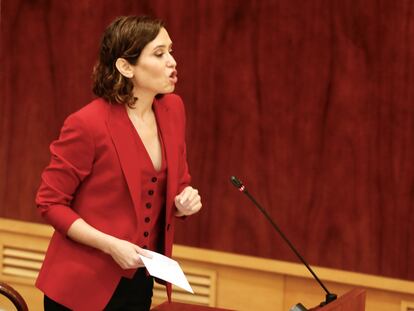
(176, 306)
(353, 300)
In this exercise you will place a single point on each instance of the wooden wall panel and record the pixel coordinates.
(309, 102)
(234, 281)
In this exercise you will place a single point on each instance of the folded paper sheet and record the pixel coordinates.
(166, 269)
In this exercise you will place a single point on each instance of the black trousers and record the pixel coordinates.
(130, 294)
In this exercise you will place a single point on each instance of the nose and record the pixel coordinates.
(171, 61)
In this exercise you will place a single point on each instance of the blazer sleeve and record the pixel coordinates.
(71, 162)
(184, 177)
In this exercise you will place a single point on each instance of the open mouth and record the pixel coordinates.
(173, 76)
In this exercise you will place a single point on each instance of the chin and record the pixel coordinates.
(169, 90)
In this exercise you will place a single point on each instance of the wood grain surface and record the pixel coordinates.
(310, 103)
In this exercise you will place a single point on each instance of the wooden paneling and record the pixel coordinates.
(309, 102)
(219, 279)
(203, 283)
(407, 306)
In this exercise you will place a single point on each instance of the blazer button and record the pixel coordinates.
(146, 234)
(151, 192)
(154, 179)
(147, 219)
(148, 205)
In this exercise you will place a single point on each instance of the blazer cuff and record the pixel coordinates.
(61, 217)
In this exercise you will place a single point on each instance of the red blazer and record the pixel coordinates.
(94, 173)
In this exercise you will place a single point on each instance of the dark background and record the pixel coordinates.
(310, 103)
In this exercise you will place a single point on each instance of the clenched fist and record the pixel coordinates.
(188, 202)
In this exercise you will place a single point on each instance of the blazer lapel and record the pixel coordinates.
(122, 136)
(120, 130)
(171, 151)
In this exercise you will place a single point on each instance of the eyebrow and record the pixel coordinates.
(161, 46)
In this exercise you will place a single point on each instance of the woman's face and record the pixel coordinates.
(154, 72)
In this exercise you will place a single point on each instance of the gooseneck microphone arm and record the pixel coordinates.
(239, 185)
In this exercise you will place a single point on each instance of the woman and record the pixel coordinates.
(118, 176)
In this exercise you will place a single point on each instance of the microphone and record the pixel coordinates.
(329, 296)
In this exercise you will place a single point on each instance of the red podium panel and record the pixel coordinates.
(176, 306)
(353, 300)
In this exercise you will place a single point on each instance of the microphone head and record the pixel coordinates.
(237, 183)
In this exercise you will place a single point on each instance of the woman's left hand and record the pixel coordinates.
(188, 202)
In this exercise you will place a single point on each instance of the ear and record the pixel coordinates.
(124, 68)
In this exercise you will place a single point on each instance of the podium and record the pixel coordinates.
(353, 300)
(177, 306)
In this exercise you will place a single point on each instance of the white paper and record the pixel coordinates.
(166, 269)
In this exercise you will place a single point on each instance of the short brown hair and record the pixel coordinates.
(125, 37)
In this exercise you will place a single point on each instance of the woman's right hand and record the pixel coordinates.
(126, 254)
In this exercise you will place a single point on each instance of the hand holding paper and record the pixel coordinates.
(166, 269)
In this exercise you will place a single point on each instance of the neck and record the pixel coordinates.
(143, 105)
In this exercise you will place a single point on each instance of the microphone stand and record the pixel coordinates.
(329, 296)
